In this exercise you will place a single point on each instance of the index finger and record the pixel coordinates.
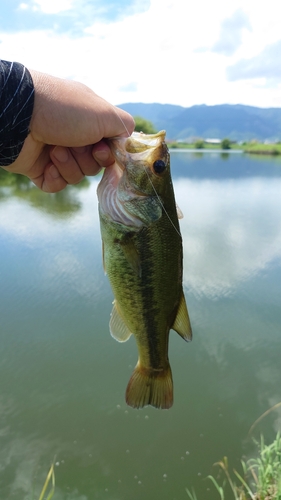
(118, 123)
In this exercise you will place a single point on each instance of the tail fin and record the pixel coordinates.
(150, 387)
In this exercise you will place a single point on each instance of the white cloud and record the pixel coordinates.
(231, 33)
(53, 6)
(23, 6)
(265, 65)
(158, 50)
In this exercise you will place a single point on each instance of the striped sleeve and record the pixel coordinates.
(16, 106)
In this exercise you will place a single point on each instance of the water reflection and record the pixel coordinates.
(237, 165)
(224, 156)
(57, 204)
(231, 231)
(63, 377)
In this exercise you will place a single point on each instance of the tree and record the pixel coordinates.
(225, 144)
(143, 125)
(199, 144)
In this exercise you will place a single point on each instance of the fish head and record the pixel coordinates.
(145, 161)
(137, 187)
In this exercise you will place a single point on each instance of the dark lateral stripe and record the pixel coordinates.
(148, 280)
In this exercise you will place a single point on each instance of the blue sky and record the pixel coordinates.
(63, 16)
(170, 51)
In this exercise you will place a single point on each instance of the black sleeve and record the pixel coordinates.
(16, 106)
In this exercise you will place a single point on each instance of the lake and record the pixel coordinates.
(63, 377)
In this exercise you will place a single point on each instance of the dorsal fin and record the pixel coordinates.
(179, 212)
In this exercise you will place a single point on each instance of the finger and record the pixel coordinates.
(66, 165)
(50, 181)
(102, 154)
(84, 158)
(126, 123)
(113, 121)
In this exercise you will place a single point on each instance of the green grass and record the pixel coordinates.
(248, 147)
(185, 145)
(48, 489)
(267, 149)
(260, 478)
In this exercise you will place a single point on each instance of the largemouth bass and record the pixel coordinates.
(142, 256)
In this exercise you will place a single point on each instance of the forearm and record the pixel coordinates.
(16, 107)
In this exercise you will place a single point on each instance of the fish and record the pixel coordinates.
(143, 259)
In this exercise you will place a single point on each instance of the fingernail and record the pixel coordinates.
(101, 155)
(61, 154)
(54, 172)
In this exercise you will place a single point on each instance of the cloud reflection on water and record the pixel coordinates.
(231, 230)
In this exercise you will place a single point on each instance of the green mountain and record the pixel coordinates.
(237, 122)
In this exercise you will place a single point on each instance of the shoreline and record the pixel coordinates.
(254, 150)
(205, 150)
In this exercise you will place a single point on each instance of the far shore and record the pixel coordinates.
(250, 148)
(205, 150)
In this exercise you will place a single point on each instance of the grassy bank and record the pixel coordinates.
(185, 145)
(250, 147)
(262, 149)
(259, 479)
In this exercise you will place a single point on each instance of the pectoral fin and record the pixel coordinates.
(182, 324)
(118, 330)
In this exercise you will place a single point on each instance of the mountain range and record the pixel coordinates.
(234, 121)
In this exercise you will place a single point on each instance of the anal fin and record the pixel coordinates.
(182, 323)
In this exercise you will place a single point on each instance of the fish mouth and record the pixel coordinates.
(139, 142)
(138, 146)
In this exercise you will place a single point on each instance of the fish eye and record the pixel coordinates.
(159, 166)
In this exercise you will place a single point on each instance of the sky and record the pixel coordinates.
(182, 52)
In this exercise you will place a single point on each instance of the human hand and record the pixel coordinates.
(67, 128)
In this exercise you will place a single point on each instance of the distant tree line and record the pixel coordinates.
(147, 127)
(225, 144)
(143, 125)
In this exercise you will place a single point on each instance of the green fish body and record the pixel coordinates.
(142, 255)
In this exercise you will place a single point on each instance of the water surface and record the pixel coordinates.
(63, 377)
